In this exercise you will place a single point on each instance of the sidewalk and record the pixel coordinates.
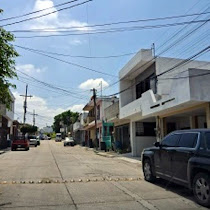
(125, 157)
(4, 150)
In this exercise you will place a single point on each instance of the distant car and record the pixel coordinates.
(33, 141)
(38, 140)
(49, 138)
(58, 137)
(20, 142)
(68, 142)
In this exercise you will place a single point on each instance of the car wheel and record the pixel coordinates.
(147, 169)
(36, 145)
(13, 149)
(201, 189)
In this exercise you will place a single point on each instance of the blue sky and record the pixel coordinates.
(79, 80)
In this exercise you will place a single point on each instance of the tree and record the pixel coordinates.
(7, 66)
(29, 129)
(66, 118)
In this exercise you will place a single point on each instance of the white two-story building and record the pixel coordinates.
(159, 95)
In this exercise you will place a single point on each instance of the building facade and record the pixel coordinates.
(89, 127)
(159, 95)
(6, 123)
(121, 132)
(78, 129)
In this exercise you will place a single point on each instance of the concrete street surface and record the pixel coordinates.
(52, 176)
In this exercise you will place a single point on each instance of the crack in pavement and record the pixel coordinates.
(136, 197)
(75, 205)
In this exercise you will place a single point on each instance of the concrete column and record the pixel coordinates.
(133, 137)
(193, 122)
(158, 128)
(162, 127)
(208, 115)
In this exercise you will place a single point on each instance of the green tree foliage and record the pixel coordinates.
(29, 129)
(7, 65)
(66, 118)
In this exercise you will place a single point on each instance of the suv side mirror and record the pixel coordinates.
(157, 144)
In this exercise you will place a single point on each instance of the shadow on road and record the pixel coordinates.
(175, 188)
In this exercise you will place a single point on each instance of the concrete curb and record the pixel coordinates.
(116, 156)
(105, 155)
(2, 152)
(130, 160)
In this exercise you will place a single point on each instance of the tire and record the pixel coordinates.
(13, 149)
(27, 148)
(201, 189)
(147, 169)
(36, 145)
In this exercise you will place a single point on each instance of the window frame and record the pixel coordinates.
(190, 148)
(187, 148)
(205, 142)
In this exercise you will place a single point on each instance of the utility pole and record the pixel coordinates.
(25, 104)
(34, 117)
(94, 100)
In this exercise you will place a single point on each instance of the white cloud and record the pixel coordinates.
(53, 20)
(77, 108)
(29, 68)
(93, 83)
(45, 114)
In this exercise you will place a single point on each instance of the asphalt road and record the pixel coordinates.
(52, 176)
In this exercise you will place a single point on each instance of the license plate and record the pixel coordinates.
(19, 145)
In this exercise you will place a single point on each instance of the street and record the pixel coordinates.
(52, 176)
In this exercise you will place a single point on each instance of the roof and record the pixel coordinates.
(192, 130)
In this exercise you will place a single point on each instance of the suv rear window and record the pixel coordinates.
(208, 140)
(188, 140)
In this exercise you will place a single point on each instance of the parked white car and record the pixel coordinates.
(69, 141)
(32, 140)
(58, 137)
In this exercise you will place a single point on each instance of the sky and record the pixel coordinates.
(76, 80)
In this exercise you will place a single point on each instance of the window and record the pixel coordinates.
(188, 140)
(139, 129)
(171, 141)
(143, 86)
(145, 129)
(208, 140)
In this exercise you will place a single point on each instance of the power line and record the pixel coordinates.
(184, 62)
(43, 88)
(36, 17)
(75, 95)
(165, 50)
(83, 56)
(67, 62)
(113, 23)
(114, 30)
(37, 11)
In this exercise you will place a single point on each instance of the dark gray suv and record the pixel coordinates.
(182, 157)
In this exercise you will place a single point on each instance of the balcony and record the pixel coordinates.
(77, 126)
(130, 109)
(90, 119)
